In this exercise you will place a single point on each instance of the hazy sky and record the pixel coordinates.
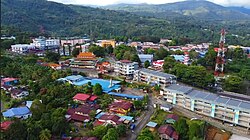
(245, 3)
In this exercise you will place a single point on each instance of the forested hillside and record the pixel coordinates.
(55, 19)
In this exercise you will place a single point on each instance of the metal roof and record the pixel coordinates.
(179, 88)
(212, 97)
(157, 73)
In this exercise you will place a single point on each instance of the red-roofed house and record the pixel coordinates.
(80, 97)
(168, 132)
(81, 113)
(8, 81)
(83, 98)
(109, 119)
(120, 107)
(5, 125)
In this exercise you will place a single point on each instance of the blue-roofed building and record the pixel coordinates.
(151, 126)
(107, 85)
(126, 96)
(232, 108)
(19, 112)
(179, 58)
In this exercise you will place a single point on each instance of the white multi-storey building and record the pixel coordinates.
(154, 77)
(125, 67)
(43, 43)
(21, 48)
(225, 107)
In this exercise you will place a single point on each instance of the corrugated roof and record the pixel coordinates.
(179, 88)
(157, 73)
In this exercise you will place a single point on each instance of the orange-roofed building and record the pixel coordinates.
(104, 67)
(54, 66)
(84, 60)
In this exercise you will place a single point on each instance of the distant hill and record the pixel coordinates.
(199, 9)
(70, 20)
(241, 9)
(56, 19)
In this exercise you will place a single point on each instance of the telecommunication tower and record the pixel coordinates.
(220, 59)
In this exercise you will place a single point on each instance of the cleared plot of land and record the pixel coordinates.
(214, 133)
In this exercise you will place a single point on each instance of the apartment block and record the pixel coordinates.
(125, 67)
(154, 77)
(234, 110)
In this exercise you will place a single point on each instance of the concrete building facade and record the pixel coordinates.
(154, 77)
(232, 110)
(125, 67)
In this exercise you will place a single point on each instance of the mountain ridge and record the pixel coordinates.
(199, 9)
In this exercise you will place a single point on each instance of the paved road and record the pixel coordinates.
(144, 119)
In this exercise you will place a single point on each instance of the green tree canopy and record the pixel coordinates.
(182, 128)
(76, 51)
(52, 57)
(97, 89)
(146, 64)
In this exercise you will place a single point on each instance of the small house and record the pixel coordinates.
(166, 107)
(9, 81)
(171, 118)
(167, 132)
(19, 112)
(151, 126)
(120, 107)
(5, 125)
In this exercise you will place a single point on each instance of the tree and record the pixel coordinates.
(145, 134)
(238, 53)
(37, 109)
(121, 130)
(181, 127)
(45, 135)
(169, 63)
(194, 131)
(99, 131)
(17, 131)
(105, 100)
(92, 114)
(161, 54)
(97, 50)
(111, 135)
(233, 84)
(138, 104)
(109, 49)
(75, 51)
(193, 54)
(146, 64)
(52, 57)
(97, 89)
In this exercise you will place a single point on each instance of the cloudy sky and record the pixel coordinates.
(245, 3)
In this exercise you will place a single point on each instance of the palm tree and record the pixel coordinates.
(45, 134)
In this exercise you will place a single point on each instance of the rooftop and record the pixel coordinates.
(19, 111)
(121, 104)
(234, 100)
(130, 96)
(5, 125)
(151, 124)
(179, 88)
(157, 73)
(125, 61)
(81, 96)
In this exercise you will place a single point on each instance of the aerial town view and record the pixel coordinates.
(125, 70)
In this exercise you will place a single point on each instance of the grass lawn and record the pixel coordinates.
(159, 116)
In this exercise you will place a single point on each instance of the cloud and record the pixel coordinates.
(244, 3)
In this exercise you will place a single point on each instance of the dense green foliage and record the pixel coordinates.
(200, 9)
(97, 89)
(146, 64)
(182, 128)
(123, 52)
(36, 17)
